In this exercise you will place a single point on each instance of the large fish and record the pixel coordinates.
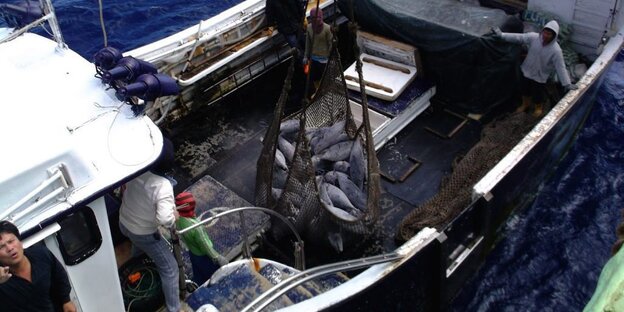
(279, 177)
(340, 200)
(288, 126)
(335, 240)
(280, 160)
(358, 168)
(329, 136)
(355, 195)
(286, 148)
(336, 152)
(342, 166)
(331, 177)
(311, 133)
(325, 197)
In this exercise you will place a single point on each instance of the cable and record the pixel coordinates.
(139, 291)
(102, 24)
(108, 141)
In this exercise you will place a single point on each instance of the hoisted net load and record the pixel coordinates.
(497, 139)
(318, 168)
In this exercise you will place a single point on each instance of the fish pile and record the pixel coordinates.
(340, 167)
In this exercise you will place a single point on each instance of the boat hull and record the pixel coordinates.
(432, 277)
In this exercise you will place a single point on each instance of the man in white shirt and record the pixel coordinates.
(148, 201)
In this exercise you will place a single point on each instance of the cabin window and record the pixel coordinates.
(79, 236)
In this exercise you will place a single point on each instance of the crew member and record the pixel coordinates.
(204, 258)
(148, 202)
(318, 45)
(31, 279)
(544, 57)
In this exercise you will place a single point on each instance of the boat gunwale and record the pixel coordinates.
(530, 141)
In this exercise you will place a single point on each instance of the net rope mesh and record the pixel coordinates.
(300, 199)
(497, 139)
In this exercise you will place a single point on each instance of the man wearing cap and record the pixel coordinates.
(543, 58)
(204, 258)
(148, 202)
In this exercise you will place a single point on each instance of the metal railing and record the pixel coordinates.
(37, 197)
(50, 17)
(280, 289)
(299, 246)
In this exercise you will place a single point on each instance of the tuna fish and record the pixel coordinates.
(342, 166)
(288, 126)
(355, 195)
(358, 168)
(329, 136)
(335, 240)
(286, 148)
(336, 152)
(279, 177)
(280, 160)
(339, 198)
(339, 213)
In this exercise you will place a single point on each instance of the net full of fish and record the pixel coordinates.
(339, 163)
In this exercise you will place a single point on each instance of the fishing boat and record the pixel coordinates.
(98, 132)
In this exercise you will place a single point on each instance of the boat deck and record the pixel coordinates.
(224, 142)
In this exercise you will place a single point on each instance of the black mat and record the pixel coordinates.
(436, 155)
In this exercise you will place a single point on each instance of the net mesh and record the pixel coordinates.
(326, 143)
(497, 139)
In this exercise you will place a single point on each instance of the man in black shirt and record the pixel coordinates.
(287, 15)
(31, 279)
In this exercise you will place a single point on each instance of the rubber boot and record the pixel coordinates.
(539, 110)
(526, 102)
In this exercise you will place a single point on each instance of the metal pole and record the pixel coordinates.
(175, 242)
(56, 30)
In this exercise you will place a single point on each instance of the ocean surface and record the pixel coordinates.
(553, 251)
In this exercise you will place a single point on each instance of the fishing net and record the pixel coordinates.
(497, 139)
(328, 181)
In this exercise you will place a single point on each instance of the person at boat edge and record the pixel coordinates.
(31, 279)
(205, 260)
(544, 57)
(147, 203)
(287, 16)
(319, 38)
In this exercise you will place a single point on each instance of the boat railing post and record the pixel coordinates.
(48, 9)
(246, 249)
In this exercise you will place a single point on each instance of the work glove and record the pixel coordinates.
(496, 32)
(571, 86)
(221, 260)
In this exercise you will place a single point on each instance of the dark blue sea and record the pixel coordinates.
(552, 252)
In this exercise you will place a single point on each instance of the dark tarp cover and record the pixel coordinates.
(471, 70)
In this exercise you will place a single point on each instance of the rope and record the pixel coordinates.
(139, 291)
(102, 24)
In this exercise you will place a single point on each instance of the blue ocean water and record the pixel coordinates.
(129, 24)
(551, 256)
